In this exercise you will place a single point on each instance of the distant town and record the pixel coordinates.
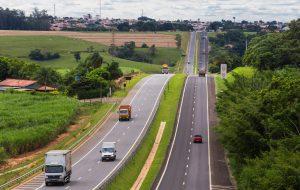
(89, 22)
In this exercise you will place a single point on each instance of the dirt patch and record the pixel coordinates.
(160, 40)
(139, 181)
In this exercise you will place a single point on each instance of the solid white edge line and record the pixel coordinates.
(208, 144)
(155, 104)
(173, 142)
(108, 131)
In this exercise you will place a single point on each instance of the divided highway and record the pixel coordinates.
(189, 67)
(188, 164)
(88, 172)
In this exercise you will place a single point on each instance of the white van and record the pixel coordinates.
(108, 151)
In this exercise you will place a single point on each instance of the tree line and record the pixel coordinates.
(92, 78)
(13, 19)
(228, 48)
(128, 51)
(259, 115)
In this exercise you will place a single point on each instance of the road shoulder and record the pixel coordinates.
(220, 173)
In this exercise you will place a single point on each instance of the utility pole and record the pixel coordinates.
(100, 9)
(54, 11)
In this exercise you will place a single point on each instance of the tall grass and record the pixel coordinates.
(29, 121)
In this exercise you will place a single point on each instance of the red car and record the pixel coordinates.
(198, 139)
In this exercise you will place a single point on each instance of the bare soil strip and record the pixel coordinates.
(159, 40)
(139, 181)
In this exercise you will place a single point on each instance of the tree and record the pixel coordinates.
(114, 70)
(275, 51)
(77, 56)
(144, 45)
(152, 50)
(94, 61)
(3, 69)
(178, 40)
(48, 76)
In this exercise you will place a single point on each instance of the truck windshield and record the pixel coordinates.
(123, 111)
(53, 169)
(107, 149)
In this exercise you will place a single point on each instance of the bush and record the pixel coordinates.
(38, 55)
(144, 45)
(3, 155)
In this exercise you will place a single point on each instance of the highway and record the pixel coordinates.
(189, 67)
(88, 172)
(188, 164)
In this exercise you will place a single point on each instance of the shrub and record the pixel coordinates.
(144, 45)
(3, 155)
(38, 55)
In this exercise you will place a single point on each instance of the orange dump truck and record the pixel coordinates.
(124, 112)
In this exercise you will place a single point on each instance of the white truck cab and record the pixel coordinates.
(58, 166)
(108, 151)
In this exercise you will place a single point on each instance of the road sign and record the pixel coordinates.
(223, 71)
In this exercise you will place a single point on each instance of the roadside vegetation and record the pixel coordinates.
(34, 121)
(228, 48)
(259, 114)
(88, 115)
(123, 91)
(166, 112)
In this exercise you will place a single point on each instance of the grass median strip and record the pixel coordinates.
(166, 112)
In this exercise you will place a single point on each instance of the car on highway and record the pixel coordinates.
(198, 139)
(108, 151)
(188, 62)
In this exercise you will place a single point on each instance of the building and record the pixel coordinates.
(19, 84)
(24, 85)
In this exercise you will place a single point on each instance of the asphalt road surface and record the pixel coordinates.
(203, 51)
(88, 172)
(189, 67)
(188, 166)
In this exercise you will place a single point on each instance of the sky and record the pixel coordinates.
(205, 10)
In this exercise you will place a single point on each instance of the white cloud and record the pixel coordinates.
(283, 10)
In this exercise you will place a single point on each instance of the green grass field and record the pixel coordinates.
(166, 112)
(29, 121)
(20, 47)
(245, 71)
(164, 55)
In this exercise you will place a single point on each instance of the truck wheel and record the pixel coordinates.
(47, 183)
(68, 179)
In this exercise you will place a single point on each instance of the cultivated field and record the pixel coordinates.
(29, 122)
(106, 38)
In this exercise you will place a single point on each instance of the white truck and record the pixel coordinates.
(58, 166)
(108, 151)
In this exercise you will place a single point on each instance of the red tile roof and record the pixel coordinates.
(17, 83)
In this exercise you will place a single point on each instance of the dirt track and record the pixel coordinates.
(160, 40)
